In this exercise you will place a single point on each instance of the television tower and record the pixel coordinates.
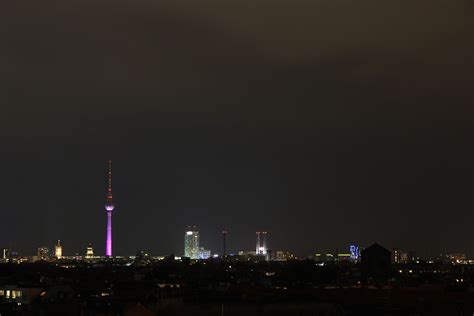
(109, 207)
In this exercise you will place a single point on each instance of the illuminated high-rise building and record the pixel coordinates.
(261, 246)
(109, 207)
(89, 252)
(191, 244)
(58, 250)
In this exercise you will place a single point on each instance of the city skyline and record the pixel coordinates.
(261, 247)
(193, 250)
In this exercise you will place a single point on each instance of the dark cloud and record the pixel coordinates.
(324, 122)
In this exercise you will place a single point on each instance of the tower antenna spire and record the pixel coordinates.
(109, 191)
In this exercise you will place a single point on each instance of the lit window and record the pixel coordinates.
(8, 294)
(2, 293)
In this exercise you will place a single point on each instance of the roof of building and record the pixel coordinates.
(376, 248)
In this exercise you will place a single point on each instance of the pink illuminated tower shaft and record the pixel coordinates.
(109, 207)
(108, 251)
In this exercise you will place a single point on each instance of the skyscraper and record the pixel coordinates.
(261, 247)
(58, 250)
(191, 243)
(109, 207)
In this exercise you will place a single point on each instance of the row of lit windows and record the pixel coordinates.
(11, 293)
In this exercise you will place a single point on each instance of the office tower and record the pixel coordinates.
(109, 207)
(224, 243)
(89, 252)
(261, 247)
(191, 243)
(43, 253)
(58, 250)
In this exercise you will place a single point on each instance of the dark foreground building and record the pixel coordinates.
(375, 264)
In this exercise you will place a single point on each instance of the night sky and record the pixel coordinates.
(324, 122)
